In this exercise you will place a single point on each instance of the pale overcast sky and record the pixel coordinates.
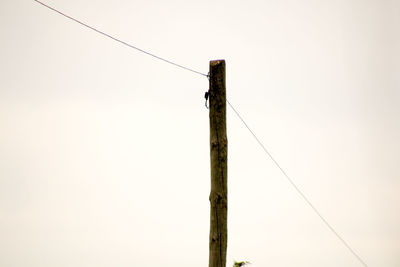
(104, 151)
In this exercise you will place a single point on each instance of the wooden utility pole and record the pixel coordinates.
(219, 174)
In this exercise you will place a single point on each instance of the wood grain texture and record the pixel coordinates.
(218, 155)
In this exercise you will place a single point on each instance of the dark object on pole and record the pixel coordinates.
(219, 174)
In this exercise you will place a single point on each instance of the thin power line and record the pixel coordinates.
(298, 190)
(120, 41)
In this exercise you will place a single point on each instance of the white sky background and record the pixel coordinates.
(104, 153)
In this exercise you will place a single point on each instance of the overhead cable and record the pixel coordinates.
(120, 41)
(306, 199)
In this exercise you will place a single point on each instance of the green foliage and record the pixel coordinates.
(240, 263)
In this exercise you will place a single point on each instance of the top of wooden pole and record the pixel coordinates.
(217, 94)
(217, 61)
(217, 76)
(214, 64)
